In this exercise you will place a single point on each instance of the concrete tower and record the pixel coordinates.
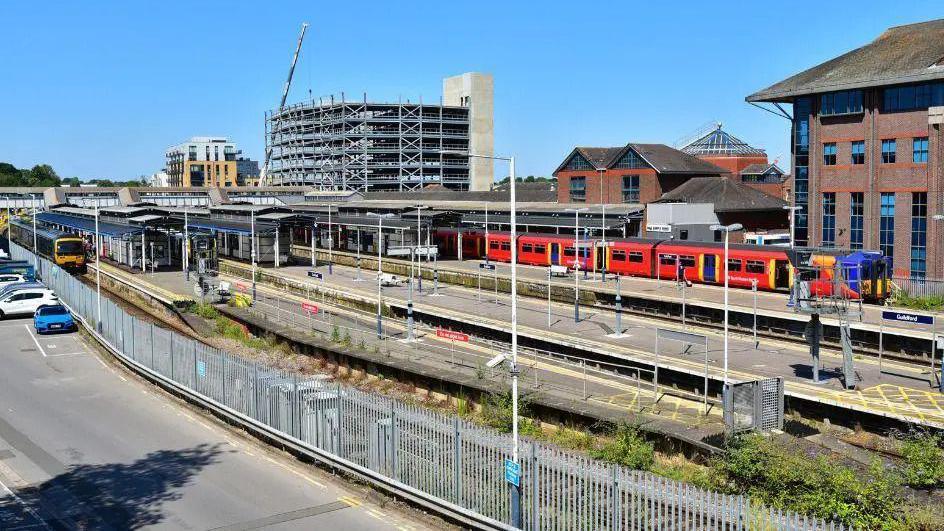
(476, 91)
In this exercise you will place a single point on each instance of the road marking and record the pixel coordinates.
(299, 514)
(65, 354)
(26, 507)
(30, 332)
(350, 500)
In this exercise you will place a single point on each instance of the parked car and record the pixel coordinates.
(16, 286)
(26, 301)
(53, 319)
(10, 278)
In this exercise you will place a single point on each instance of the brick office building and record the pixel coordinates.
(867, 148)
(634, 173)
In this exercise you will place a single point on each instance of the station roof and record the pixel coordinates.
(88, 225)
(563, 222)
(363, 221)
(902, 54)
(230, 226)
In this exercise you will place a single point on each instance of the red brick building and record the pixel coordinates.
(867, 148)
(634, 173)
(745, 164)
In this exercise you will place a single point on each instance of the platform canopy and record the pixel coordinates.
(88, 225)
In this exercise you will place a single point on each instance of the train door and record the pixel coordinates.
(708, 270)
(555, 253)
(782, 274)
(599, 255)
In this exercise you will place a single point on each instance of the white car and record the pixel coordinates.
(388, 280)
(9, 278)
(26, 301)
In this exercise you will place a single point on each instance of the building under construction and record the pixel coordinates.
(363, 145)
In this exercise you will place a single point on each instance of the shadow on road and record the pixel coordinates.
(113, 495)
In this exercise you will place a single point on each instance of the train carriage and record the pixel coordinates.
(64, 249)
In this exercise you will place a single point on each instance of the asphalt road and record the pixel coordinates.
(87, 446)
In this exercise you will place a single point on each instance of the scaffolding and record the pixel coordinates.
(360, 145)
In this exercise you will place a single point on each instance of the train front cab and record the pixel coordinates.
(866, 273)
(69, 252)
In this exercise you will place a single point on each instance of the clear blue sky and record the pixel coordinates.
(100, 89)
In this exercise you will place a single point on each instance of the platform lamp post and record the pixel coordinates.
(576, 212)
(516, 514)
(727, 230)
(9, 227)
(603, 224)
(419, 239)
(380, 218)
(252, 253)
(35, 249)
(793, 211)
(98, 273)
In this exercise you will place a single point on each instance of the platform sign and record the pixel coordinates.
(316, 274)
(309, 307)
(487, 267)
(905, 317)
(241, 287)
(513, 472)
(201, 369)
(454, 336)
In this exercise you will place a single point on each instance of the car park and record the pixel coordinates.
(26, 301)
(55, 318)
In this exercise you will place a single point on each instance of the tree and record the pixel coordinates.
(43, 175)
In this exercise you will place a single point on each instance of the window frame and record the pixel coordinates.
(889, 156)
(829, 154)
(857, 157)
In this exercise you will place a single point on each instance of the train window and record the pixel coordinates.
(667, 259)
(755, 266)
(527, 248)
(568, 251)
(493, 245)
(635, 256)
(687, 261)
(506, 246)
(540, 249)
(734, 264)
(618, 255)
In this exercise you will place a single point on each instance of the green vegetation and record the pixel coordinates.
(39, 175)
(628, 448)
(924, 460)
(771, 473)
(207, 311)
(497, 413)
(927, 303)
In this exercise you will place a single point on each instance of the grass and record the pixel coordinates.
(927, 303)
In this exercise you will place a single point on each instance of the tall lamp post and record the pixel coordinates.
(515, 489)
(793, 211)
(35, 249)
(576, 212)
(419, 240)
(252, 243)
(603, 224)
(727, 230)
(379, 243)
(98, 272)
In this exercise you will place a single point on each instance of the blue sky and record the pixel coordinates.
(100, 89)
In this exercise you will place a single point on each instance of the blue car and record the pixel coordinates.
(56, 318)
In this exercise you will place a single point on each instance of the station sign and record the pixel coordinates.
(904, 317)
(309, 307)
(513, 472)
(658, 227)
(316, 274)
(240, 286)
(487, 267)
(454, 336)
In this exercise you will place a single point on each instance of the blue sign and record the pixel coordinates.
(915, 318)
(513, 472)
(316, 274)
(487, 267)
(201, 369)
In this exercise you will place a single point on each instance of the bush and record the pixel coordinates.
(772, 474)
(628, 448)
(497, 413)
(924, 460)
(927, 303)
(207, 311)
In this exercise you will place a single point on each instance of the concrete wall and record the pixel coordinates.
(476, 91)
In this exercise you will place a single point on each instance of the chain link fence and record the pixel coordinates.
(443, 456)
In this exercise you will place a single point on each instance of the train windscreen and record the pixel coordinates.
(70, 247)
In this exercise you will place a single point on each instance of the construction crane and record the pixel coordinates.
(264, 178)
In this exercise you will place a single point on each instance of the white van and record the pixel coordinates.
(26, 301)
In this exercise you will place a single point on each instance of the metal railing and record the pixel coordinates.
(442, 458)
(920, 287)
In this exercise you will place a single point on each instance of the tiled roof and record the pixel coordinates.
(662, 158)
(727, 195)
(758, 169)
(902, 54)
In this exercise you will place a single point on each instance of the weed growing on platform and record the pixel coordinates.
(207, 311)
(335, 334)
(928, 302)
(923, 460)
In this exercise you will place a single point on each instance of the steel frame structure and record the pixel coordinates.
(361, 145)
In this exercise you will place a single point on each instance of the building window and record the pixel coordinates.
(919, 234)
(578, 189)
(631, 161)
(829, 154)
(887, 225)
(858, 152)
(630, 188)
(857, 210)
(578, 163)
(829, 219)
(913, 97)
(801, 162)
(889, 147)
(920, 149)
(842, 102)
